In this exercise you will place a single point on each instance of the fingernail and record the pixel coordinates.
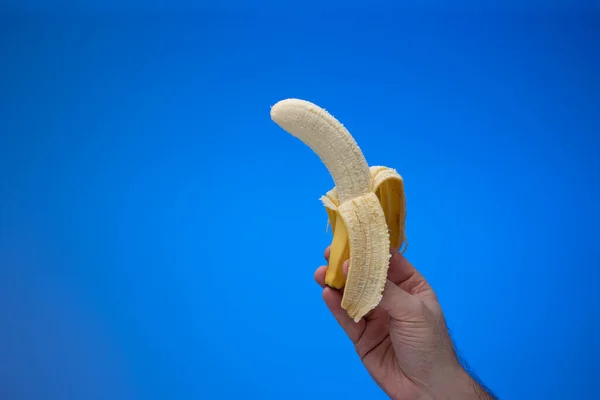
(345, 267)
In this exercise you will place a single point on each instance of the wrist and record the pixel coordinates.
(456, 383)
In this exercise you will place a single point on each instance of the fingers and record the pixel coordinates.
(320, 275)
(404, 275)
(333, 300)
(345, 266)
(398, 303)
(401, 269)
(322, 271)
(397, 299)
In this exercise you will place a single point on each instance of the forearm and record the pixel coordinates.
(469, 388)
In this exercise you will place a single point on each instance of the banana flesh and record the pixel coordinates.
(366, 207)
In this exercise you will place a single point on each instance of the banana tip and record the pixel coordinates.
(281, 108)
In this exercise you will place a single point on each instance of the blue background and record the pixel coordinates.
(159, 233)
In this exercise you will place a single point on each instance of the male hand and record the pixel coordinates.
(404, 342)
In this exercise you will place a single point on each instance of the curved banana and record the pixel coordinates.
(366, 207)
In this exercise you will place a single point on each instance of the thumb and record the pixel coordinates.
(398, 303)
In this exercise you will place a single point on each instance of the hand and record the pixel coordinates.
(404, 342)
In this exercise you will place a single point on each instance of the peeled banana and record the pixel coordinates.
(366, 208)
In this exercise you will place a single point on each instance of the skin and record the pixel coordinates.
(404, 342)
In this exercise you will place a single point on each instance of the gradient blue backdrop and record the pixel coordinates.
(159, 233)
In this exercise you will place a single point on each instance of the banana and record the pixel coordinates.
(366, 208)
